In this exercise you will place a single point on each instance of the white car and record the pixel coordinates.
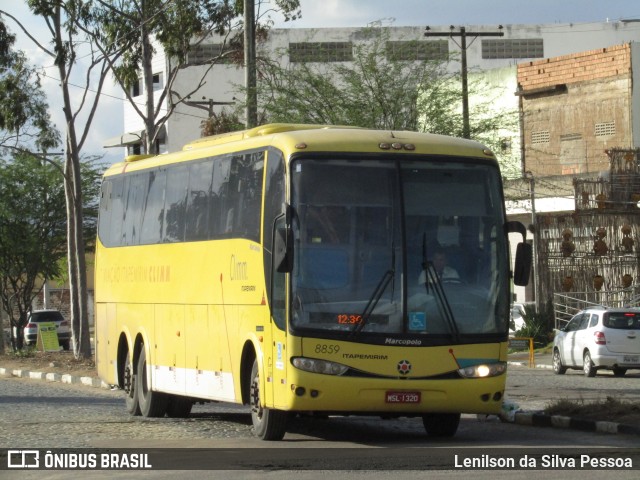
(516, 319)
(40, 316)
(599, 338)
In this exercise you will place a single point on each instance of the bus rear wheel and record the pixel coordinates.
(441, 424)
(268, 424)
(129, 386)
(152, 404)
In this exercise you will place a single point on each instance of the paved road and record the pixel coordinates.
(45, 415)
(534, 388)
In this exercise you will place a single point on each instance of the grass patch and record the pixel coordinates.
(610, 409)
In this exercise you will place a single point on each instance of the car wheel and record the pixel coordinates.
(65, 345)
(558, 368)
(588, 367)
(619, 372)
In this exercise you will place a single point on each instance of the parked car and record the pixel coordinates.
(599, 338)
(517, 318)
(41, 316)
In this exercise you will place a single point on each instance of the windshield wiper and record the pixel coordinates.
(387, 277)
(373, 300)
(432, 277)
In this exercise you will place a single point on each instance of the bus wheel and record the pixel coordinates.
(441, 424)
(129, 383)
(268, 424)
(152, 404)
(179, 407)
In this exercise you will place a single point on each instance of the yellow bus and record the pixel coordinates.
(299, 268)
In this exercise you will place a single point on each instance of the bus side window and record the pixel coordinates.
(153, 215)
(219, 196)
(135, 203)
(175, 203)
(105, 211)
(197, 224)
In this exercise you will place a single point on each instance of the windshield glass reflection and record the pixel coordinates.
(411, 248)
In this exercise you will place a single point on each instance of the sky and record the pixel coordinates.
(327, 14)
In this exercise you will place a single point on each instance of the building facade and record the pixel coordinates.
(506, 47)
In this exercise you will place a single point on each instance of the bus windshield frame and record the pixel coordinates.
(398, 250)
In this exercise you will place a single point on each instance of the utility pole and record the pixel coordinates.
(251, 108)
(463, 34)
(536, 287)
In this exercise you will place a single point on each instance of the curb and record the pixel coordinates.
(56, 377)
(538, 419)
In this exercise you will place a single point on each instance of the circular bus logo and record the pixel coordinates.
(404, 367)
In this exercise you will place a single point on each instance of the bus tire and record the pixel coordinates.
(179, 407)
(441, 424)
(129, 387)
(152, 404)
(268, 424)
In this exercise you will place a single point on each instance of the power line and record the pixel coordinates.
(466, 129)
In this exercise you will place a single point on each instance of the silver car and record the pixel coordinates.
(599, 338)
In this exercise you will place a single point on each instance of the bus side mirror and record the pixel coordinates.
(283, 243)
(524, 254)
(522, 268)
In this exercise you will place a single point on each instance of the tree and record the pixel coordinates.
(177, 26)
(377, 89)
(33, 229)
(62, 18)
(24, 120)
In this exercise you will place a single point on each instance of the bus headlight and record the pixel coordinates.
(483, 370)
(319, 366)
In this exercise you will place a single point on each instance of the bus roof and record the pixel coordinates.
(292, 138)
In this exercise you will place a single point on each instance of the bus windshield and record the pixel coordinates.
(408, 248)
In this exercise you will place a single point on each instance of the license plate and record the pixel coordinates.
(403, 397)
(631, 359)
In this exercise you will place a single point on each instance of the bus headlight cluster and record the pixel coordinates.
(319, 366)
(483, 370)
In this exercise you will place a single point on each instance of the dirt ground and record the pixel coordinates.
(50, 362)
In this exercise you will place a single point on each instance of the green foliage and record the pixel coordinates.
(24, 119)
(538, 325)
(378, 89)
(33, 227)
(374, 90)
(222, 122)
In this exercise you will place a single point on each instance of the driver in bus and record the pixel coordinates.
(440, 267)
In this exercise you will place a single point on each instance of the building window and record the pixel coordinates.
(157, 82)
(540, 137)
(135, 89)
(513, 48)
(321, 52)
(415, 50)
(208, 52)
(606, 129)
(134, 149)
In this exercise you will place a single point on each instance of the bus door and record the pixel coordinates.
(279, 354)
